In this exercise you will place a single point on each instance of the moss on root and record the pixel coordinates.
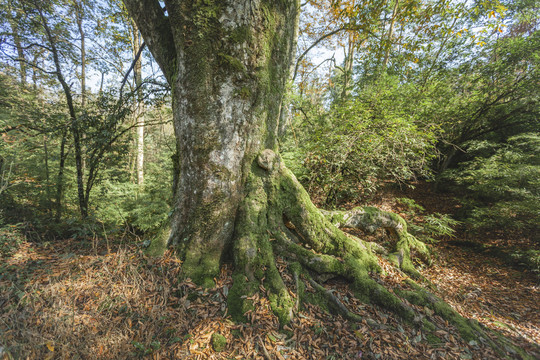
(277, 208)
(470, 330)
(369, 219)
(219, 342)
(277, 218)
(238, 301)
(158, 243)
(418, 296)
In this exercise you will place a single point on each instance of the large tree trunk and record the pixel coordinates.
(232, 64)
(228, 63)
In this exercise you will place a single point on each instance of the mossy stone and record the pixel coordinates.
(219, 342)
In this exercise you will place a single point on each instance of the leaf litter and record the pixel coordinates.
(63, 300)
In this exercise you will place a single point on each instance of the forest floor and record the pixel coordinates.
(78, 299)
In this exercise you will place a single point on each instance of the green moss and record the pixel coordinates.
(219, 342)
(282, 306)
(201, 267)
(367, 290)
(240, 35)
(244, 93)
(206, 16)
(237, 301)
(158, 244)
(433, 340)
(412, 296)
(231, 62)
(427, 325)
(316, 299)
(468, 330)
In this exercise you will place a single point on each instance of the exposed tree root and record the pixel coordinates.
(370, 219)
(334, 302)
(277, 217)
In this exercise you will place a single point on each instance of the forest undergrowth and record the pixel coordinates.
(78, 300)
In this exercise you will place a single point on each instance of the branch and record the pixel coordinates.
(156, 31)
(325, 36)
(24, 61)
(345, 27)
(133, 63)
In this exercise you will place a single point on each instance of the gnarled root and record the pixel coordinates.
(278, 217)
(370, 219)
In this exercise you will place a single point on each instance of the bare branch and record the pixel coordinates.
(137, 56)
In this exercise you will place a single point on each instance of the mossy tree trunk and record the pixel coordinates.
(228, 62)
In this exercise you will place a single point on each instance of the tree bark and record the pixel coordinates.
(228, 75)
(79, 14)
(139, 111)
(348, 66)
(390, 35)
(13, 22)
(60, 178)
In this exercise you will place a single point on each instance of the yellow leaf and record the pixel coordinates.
(50, 346)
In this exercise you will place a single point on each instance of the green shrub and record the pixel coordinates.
(529, 258)
(503, 183)
(427, 227)
(349, 149)
(11, 238)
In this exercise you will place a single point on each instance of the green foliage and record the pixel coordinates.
(427, 227)
(504, 183)
(411, 206)
(219, 342)
(351, 148)
(11, 238)
(142, 350)
(439, 225)
(529, 258)
(126, 203)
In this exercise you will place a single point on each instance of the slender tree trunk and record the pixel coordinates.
(75, 127)
(390, 35)
(60, 177)
(79, 13)
(139, 112)
(83, 61)
(20, 52)
(348, 68)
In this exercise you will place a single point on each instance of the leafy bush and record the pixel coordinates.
(503, 182)
(146, 208)
(349, 149)
(427, 227)
(437, 224)
(529, 258)
(11, 238)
